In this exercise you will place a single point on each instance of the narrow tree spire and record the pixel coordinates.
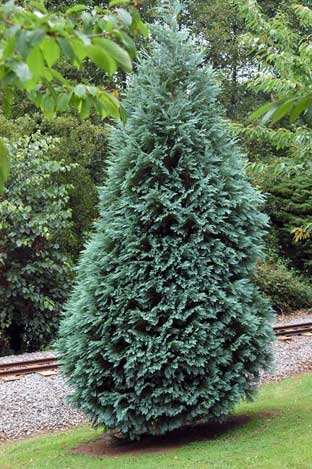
(169, 11)
(165, 327)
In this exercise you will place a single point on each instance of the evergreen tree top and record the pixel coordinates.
(168, 13)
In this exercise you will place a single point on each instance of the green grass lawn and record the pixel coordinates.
(277, 435)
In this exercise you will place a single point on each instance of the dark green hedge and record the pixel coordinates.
(289, 205)
(286, 288)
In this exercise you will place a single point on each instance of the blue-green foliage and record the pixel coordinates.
(164, 327)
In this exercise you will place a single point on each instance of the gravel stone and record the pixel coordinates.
(290, 357)
(36, 404)
(297, 318)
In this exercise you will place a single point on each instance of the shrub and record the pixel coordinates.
(80, 142)
(165, 327)
(34, 274)
(84, 144)
(289, 206)
(286, 289)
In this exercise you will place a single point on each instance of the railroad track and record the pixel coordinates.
(290, 330)
(46, 366)
(14, 370)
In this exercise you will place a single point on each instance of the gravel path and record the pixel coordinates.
(36, 404)
(25, 357)
(298, 318)
(291, 356)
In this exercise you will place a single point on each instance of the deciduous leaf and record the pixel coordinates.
(62, 102)
(35, 37)
(282, 110)
(127, 42)
(85, 108)
(300, 106)
(137, 26)
(125, 16)
(79, 50)
(67, 49)
(102, 59)
(84, 38)
(4, 164)
(48, 105)
(261, 110)
(114, 3)
(22, 71)
(111, 104)
(76, 9)
(56, 74)
(21, 44)
(50, 50)
(116, 52)
(268, 115)
(35, 62)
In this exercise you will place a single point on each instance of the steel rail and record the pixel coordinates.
(27, 367)
(293, 329)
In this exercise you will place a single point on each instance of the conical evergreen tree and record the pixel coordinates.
(164, 327)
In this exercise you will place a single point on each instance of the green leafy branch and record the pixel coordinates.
(285, 58)
(34, 42)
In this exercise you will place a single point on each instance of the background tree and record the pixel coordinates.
(281, 45)
(82, 146)
(295, 97)
(43, 55)
(220, 24)
(165, 327)
(34, 273)
(34, 41)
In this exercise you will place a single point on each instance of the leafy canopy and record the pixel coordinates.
(286, 59)
(282, 47)
(34, 43)
(34, 273)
